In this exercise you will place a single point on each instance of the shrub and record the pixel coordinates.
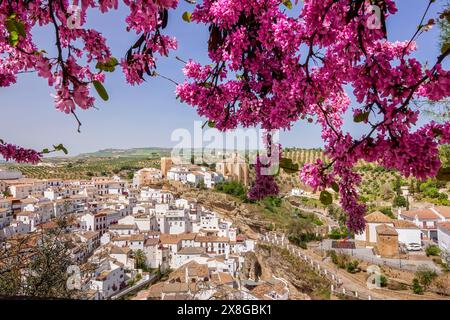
(425, 276)
(232, 187)
(399, 201)
(416, 287)
(387, 211)
(352, 267)
(333, 256)
(343, 261)
(383, 281)
(335, 234)
(432, 250)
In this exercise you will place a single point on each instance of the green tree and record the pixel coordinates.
(432, 250)
(425, 276)
(36, 265)
(399, 201)
(397, 186)
(416, 287)
(139, 259)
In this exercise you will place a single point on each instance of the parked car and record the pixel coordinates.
(414, 247)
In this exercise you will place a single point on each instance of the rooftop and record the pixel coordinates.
(404, 224)
(377, 217)
(122, 226)
(385, 230)
(443, 211)
(191, 250)
(444, 226)
(422, 214)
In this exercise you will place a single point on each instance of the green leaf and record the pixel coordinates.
(335, 186)
(206, 84)
(288, 166)
(360, 117)
(187, 16)
(10, 25)
(288, 4)
(20, 27)
(13, 38)
(211, 124)
(60, 147)
(108, 66)
(100, 90)
(326, 198)
(45, 151)
(443, 174)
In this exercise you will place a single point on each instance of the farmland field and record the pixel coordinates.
(85, 168)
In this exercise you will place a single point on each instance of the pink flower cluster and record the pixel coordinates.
(315, 176)
(270, 70)
(264, 185)
(11, 152)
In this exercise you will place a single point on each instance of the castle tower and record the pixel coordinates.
(166, 163)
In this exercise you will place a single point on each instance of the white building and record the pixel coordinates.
(211, 179)
(157, 256)
(109, 278)
(178, 173)
(94, 222)
(443, 233)
(146, 176)
(124, 229)
(297, 192)
(186, 255)
(22, 191)
(15, 227)
(33, 219)
(427, 219)
(407, 231)
(134, 242)
(144, 222)
(157, 195)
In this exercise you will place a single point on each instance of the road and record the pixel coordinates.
(344, 280)
(330, 221)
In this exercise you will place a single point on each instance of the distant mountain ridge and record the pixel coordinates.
(133, 152)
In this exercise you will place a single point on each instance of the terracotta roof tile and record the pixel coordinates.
(384, 229)
(377, 217)
(444, 225)
(403, 224)
(423, 214)
(443, 211)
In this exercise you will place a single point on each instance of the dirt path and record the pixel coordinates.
(354, 283)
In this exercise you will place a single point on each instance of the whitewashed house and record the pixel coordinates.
(109, 278)
(407, 231)
(427, 219)
(156, 255)
(443, 233)
(186, 255)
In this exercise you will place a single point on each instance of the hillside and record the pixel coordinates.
(153, 152)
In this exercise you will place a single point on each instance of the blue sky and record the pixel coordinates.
(146, 115)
